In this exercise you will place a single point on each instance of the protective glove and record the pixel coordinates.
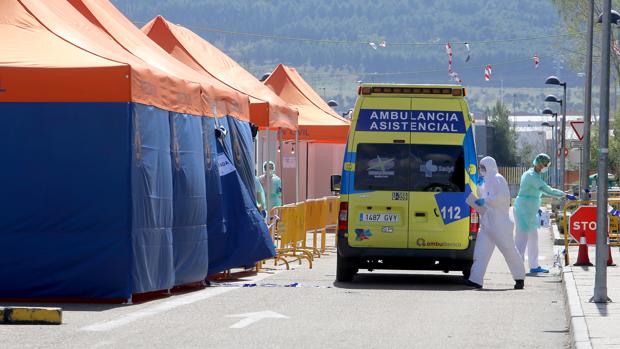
(571, 197)
(480, 180)
(479, 202)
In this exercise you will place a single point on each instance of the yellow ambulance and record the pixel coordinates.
(410, 163)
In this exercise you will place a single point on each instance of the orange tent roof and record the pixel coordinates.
(107, 17)
(50, 55)
(37, 66)
(317, 121)
(266, 108)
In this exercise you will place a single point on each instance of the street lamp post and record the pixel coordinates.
(554, 148)
(600, 276)
(552, 80)
(587, 112)
(558, 172)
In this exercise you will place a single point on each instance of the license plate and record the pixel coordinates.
(379, 217)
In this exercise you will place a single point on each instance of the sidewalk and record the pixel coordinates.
(592, 325)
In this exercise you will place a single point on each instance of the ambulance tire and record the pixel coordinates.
(467, 272)
(344, 270)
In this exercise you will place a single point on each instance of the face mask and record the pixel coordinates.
(544, 169)
(483, 172)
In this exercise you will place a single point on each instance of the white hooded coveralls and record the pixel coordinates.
(496, 227)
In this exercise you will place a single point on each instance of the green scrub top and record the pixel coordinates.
(529, 200)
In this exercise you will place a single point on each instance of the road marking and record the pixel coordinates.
(540, 258)
(166, 306)
(250, 318)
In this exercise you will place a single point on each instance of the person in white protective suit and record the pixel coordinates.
(496, 227)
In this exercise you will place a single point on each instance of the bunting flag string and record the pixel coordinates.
(382, 44)
(487, 72)
(451, 73)
(468, 52)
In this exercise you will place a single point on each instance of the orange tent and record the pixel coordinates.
(266, 108)
(317, 121)
(107, 17)
(46, 59)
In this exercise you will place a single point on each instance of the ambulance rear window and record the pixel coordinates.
(415, 167)
(382, 167)
(437, 168)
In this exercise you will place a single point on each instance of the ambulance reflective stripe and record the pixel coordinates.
(411, 121)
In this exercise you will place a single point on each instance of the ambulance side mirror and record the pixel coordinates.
(335, 183)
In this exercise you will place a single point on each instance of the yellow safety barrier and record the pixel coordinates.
(615, 202)
(332, 210)
(312, 224)
(288, 233)
(315, 222)
(333, 206)
(289, 226)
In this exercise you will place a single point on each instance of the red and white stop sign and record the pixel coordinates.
(582, 221)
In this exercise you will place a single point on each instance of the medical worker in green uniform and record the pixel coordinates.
(272, 183)
(526, 209)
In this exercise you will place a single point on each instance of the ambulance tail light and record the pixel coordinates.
(343, 216)
(474, 221)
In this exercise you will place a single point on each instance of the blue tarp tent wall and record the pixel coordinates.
(87, 199)
(110, 199)
(189, 229)
(65, 222)
(243, 238)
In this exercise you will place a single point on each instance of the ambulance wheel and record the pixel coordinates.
(344, 270)
(466, 273)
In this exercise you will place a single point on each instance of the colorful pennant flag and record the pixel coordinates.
(468, 52)
(451, 73)
(536, 61)
(487, 72)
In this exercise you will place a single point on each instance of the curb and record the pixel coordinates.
(580, 336)
(558, 239)
(30, 316)
(578, 328)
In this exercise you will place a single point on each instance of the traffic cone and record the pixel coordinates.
(610, 260)
(583, 260)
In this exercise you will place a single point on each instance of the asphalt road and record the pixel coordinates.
(382, 309)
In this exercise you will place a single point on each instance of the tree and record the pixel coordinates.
(527, 154)
(504, 143)
(575, 16)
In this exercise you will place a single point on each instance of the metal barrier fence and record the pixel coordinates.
(613, 230)
(290, 225)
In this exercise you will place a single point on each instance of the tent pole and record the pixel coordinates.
(281, 154)
(255, 141)
(307, 163)
(267, 177)
(297, 166)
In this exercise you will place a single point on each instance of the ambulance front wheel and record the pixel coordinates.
(345, 271)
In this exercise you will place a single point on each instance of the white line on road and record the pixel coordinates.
(166, 306)
(250, 318)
